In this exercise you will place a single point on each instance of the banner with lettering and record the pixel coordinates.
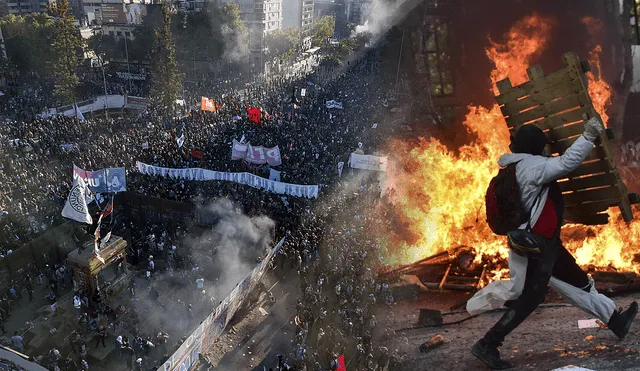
(368, 162)
(109, 180)
(249, 179)
(256, 154)
(207, 104)
(334, 104)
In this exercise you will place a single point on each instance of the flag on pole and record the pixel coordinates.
(207, 104)
(341, 365)
(96, 246)
(76, 206)
(180, 140)
(79, 114)
(108, 209)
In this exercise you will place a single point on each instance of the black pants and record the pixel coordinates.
(98, 339)
(554, 260)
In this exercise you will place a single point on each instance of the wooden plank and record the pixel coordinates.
(545, 110)
(570, 87)
(575, 184)
(562, 145)
(591, 207)
(558, 120)
(504, 85)
(591, 195)
(531, 87)
(535, 72)
(588, 219)
(590, 168)
(567, 131)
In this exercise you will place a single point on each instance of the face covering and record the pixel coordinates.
(529, 139)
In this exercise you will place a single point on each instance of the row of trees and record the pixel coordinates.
(47, 45)
(50, 45)
(213, 33)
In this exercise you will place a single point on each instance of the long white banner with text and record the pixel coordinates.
(241, 178)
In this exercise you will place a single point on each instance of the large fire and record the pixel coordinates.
(440, 193)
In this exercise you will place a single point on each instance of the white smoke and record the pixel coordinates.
(235, 44)
(232, 247)
(379, 17)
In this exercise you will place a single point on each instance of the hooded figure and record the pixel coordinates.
(537, 177)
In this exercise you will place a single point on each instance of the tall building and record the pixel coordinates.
(260, 17)
(98, 12)
(298, 14)
(25, 6)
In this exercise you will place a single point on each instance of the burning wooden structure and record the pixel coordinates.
(453, 269)
(558, 103)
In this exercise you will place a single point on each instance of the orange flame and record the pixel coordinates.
(439, 193)
(599, 90)
(525, 40)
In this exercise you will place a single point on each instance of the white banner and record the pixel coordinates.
(76, 207)
(334, 104)
(368, 162)
(241, 178)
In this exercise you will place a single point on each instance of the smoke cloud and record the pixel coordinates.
(380, 16)
(229, 251)
(235, 44)
(222, 256)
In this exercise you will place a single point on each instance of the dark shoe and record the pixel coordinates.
(489, 355)
(620, 322)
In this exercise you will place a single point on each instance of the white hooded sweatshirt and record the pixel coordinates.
(532, 173)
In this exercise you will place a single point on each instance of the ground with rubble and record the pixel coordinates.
(548, 339)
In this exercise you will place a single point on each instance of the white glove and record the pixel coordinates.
(592, 129)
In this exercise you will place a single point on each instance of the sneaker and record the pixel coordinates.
(489, 355)
(620, 321)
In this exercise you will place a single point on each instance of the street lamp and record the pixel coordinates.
(104, 80)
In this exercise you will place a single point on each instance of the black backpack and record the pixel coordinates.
(505, 211)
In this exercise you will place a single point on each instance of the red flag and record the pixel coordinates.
(254, 115)
(341, 365)
(197, 154)
(108, 209)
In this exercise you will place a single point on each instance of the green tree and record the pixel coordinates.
(166, 80)
(26, 41)
(322, 30)
(67, 43)
(282, 43)
(335, 54)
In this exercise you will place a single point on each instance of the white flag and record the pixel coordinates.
(79, 114)
(180, 140)
(76, 207)
(106, 238)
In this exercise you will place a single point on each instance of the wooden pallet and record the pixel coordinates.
(559, 103)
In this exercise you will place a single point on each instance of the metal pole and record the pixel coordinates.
(104, 80)
(635, 19)
(399, 59)
(126, 50)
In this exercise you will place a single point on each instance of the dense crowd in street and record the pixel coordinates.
(36, 176)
